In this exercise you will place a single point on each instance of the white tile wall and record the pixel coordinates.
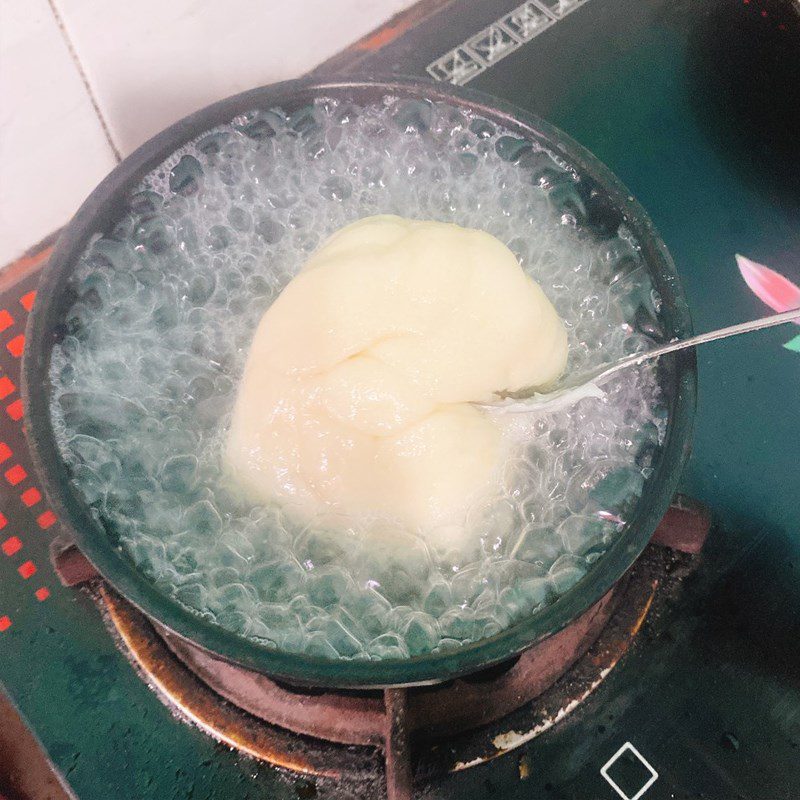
(52, 147)
(146, 63)
(151, 62)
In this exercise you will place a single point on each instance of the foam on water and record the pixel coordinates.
(165, 306)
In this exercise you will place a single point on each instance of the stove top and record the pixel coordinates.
(692, 106)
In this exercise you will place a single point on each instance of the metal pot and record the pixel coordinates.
(608, 205)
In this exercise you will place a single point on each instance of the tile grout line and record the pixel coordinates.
(84, 79)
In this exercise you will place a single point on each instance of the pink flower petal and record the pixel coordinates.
(779, 293)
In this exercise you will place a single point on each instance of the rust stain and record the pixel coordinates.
(524, 768)
(18, 269)
(643, 615)
(382, 37)
(30, 261)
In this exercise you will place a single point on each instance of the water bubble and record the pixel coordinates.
(278, 581)
(617, 487)
(317, 645)
(318, 546)
(201, 288)
(421, 633)
(179, 473)
(342, 641)
(193, 595)
(482, 128)
(397, 566)
(258, 124)
(211, 144)
(145, 203)
(203, 518)
(387, 646)
(154, 235)
(438, 599)
(270, 230)
(511, 148)
(239, 218)
(185, 176)
(413, 116)
(305, 120)
(165, 316)
(277, 617)
(466, 164)
(565, 572)
(258, 286)
(336, 188)
(100, 416)
(327, 587)
(459, 624)
(219, 237)
(538, 544)
(582, 534)
(107, 254)
(370, 608)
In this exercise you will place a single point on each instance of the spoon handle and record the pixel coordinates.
(692, 341)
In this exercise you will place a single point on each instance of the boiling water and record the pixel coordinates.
(165, 306)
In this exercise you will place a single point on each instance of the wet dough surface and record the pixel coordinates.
(356, 394)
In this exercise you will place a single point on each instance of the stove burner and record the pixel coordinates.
(359, 717)
(347, 734)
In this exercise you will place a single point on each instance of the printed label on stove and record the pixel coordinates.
(629, 773)
(461, 64)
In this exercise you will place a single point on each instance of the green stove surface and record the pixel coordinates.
(695, 107)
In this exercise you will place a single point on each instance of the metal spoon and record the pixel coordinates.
(587, 384)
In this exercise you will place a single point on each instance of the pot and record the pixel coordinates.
(608, 204)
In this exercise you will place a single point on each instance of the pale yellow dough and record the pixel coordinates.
(356, 394)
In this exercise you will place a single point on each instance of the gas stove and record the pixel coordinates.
(401, 738)
(691, 687)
